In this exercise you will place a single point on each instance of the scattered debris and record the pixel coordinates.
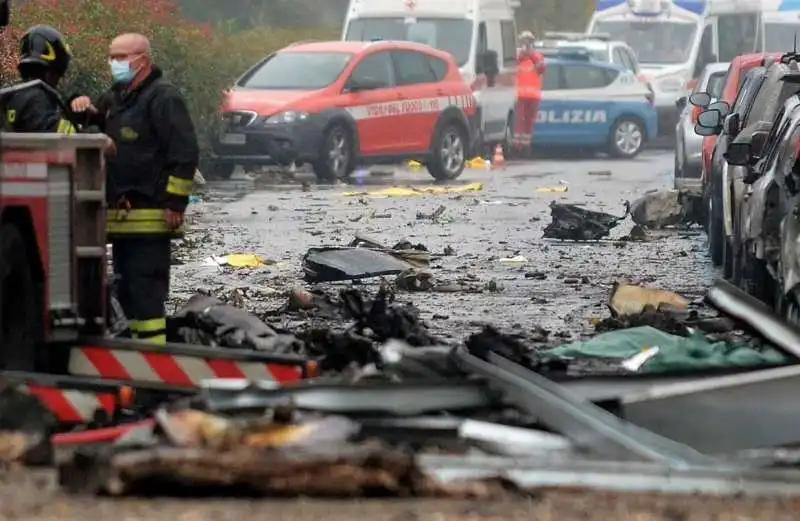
(629, 300)
(413, 280)
(410, 191)
(208, 321)
(433, 216)
(664, 208)
(674, 354)
(336, 263)
(239, 260)
(561, 188)
(573, 223)
(517, 259)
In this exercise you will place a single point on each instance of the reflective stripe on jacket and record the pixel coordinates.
(141, 222)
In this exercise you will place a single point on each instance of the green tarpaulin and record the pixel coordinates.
(675, 353)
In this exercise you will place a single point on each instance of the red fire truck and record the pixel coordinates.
(53, 292)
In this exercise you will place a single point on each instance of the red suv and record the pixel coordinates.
(338, 104)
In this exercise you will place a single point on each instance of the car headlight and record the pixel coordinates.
(670, 85)
(290, 116)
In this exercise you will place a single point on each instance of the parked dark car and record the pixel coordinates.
(761, 96)
(769, 221)
(719, 119)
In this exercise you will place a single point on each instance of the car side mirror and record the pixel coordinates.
(710, 119)
(705, 131)
(700, 99)
(739, 154)
(732, 124)
(720, 106)
(680, 103)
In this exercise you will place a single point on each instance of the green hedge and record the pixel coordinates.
(199, 59)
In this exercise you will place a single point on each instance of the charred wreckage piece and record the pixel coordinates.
(573, 223)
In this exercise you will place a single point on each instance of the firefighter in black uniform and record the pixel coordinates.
(37, 107)
(149, 179)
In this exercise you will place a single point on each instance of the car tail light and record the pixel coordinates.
(695, 113)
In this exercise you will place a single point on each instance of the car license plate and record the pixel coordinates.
(233, 139)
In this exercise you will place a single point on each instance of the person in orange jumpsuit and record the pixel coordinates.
(530, 73)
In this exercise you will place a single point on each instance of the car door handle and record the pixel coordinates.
(440, 92)
(400, 96)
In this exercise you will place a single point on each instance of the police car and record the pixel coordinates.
(594, 105)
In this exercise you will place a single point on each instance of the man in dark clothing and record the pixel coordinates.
(149, 179)
(34, 105)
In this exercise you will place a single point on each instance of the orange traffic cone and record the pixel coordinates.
(498, 160)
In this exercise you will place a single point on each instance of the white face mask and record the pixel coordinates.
(121, 71)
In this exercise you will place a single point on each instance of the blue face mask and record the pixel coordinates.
(121, 71)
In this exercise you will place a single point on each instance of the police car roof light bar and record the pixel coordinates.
(574, 37)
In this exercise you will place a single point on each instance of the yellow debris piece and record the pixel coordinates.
(558, 189)
(244, 260)
(411, 191)
(415, 165)
(476, 163)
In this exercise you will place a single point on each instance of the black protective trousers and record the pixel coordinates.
(141, 267)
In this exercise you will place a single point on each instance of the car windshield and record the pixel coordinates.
(780, 37)
(715, 83)
(291, 70)
(452, 35)
(657, 43)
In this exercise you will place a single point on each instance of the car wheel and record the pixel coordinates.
(19, 303)
(678, 172)
(626, 139)
(449, 152)
(335, 159)
(727, 259)
(756, 280)
(221, 169)
(713, 231)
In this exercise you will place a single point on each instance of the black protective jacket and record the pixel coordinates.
(157, 150)
(34, 107)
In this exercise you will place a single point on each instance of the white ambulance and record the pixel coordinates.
(480, 34)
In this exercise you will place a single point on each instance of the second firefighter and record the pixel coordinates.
(149, 180)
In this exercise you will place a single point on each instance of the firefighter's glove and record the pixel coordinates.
(174, 219)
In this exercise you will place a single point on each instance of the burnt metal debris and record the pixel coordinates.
(403, 414)
(573, 223)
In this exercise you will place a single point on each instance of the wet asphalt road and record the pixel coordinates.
(558, 286)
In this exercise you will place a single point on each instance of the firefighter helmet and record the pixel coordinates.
(43, 46)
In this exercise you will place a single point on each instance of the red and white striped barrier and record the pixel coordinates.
(173, 369)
